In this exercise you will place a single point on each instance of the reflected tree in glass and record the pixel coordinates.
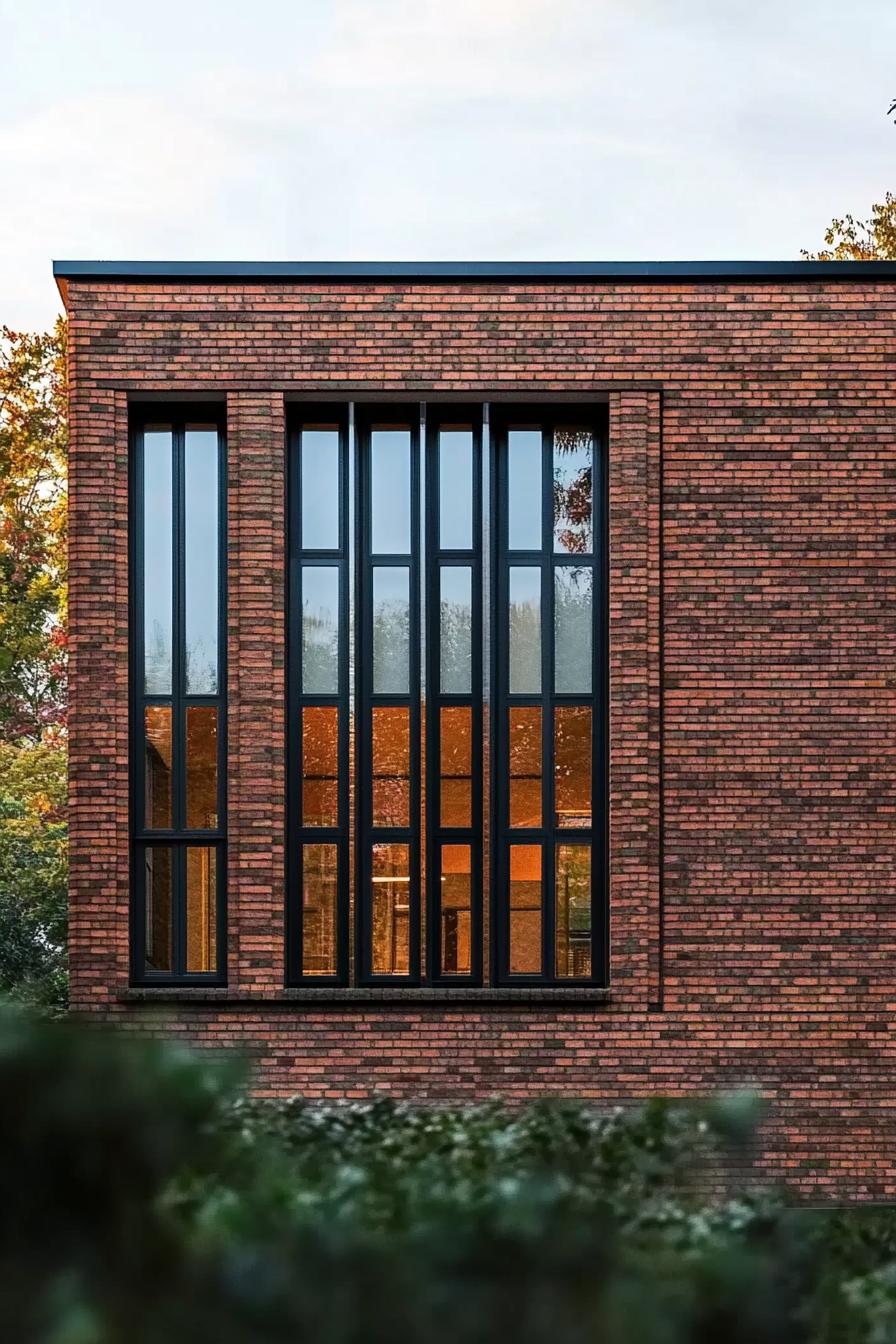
(573, 621)
(455, 629)
(320, 630)
(573, 491)
(391, 630)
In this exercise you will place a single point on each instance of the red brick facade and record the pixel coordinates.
(752, 656)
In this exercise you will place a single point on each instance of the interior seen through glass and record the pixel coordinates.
(412, 582)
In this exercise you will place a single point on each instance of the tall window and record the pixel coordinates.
(447, 688)
(177, 679)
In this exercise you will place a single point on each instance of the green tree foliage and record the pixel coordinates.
(33, 441)
(33, 851)
(850, 239)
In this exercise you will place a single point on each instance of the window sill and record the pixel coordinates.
(412, 996)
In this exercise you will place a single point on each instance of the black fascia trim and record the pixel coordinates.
(434, 271)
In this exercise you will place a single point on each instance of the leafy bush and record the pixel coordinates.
(33, 875)
(146, 1198)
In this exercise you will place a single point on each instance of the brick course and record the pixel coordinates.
(752, 642)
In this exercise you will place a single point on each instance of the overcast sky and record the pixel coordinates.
(430, 129)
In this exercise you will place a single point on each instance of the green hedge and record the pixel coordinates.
(146, 1198)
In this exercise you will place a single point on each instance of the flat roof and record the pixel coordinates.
(154, 272)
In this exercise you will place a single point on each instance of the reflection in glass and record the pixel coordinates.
(525, 765)
(524, 489)
(573, 620)
(525, 909)
(456, 765)
(202, 767)
(390, 492)
(390, 910)
(391, 630)
(202, 908)
(455, 629)
(573, 471)
(455, 905)
(201, 558)
(320, 766)
(320, 489)
(319, 902)
(391, 738)
(572, 765)
(158, 546)
(157, 907)
(455, 489)
(573, 910)
(320, 629)
(157, 766)
(525, 630)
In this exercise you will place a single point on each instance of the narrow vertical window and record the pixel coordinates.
(454, 718)
(178, 720)
(549, 586)
(319, 704)
(388, 718)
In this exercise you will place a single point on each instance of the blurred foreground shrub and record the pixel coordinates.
(145, 1198)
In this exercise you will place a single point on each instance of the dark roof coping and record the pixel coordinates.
(154, 272)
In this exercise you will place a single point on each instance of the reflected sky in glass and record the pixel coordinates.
(320, 489)
(201, 559)
(390, 457)
(158, 540)
(524, 489)
(455, 489)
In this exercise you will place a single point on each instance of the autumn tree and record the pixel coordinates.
(850, 239)
(32, 533)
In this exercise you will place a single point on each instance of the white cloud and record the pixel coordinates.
(421, 128)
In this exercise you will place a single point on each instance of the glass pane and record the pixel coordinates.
(573, 470)
(455, 629)
(201, 559)
(202, 909)
(158, 547)
(455, 489)
(202, 767)
(320, 766)
(573, 896)
(456, 765)
(572, 765)
(391, 765)
(525, 909)
(525, 765)
(158, 907)
(391, 910)
(390, 493)
(157, 772)
(320, 489)
(525, 631)
(455, 901)
(320, 630)
(391, 631)
(573, 619)
(524, 489)
(320, 885)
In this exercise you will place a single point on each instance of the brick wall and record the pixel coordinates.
(753, 516)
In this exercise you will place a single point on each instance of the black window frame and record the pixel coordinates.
(297, 834)
(177, 838)
(489, 559)
(548, 836)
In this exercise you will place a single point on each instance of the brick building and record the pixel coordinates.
(483, 680)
